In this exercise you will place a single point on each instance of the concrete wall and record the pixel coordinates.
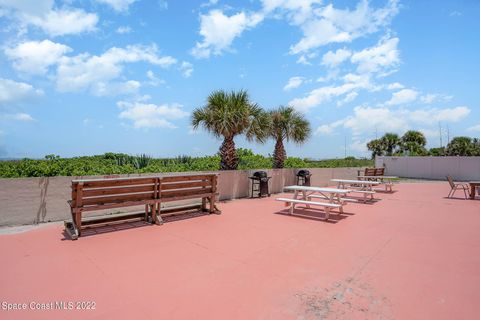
(460, 168)
(35, 200)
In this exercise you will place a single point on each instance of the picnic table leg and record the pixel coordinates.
(335, 198)
(327, 213)
(292, 205)
(304, 195)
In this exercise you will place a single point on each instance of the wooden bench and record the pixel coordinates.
(101, 194)
(151, 192)
(326, 206)
(178, 188)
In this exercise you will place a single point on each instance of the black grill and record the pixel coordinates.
(260, 183)
(303, 177)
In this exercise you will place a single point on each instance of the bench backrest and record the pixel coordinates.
(175, 188)
(109, 192)
(379, 171)
(105, 192)
(369, 172)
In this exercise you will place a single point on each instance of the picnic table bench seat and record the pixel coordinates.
(327, 206)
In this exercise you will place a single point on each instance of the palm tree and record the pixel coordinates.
(413, 142)
(377, 148)
(461, 146)
(228, 115)
(290, 125)
(391, 142)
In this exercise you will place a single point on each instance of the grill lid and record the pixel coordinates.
(260, 174)
(303, 173)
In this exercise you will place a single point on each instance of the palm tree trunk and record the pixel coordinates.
(228, 155)
(279, 154)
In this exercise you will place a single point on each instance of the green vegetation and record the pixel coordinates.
(412, 143)
(119, 163)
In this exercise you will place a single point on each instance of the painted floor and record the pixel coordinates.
(411, 255)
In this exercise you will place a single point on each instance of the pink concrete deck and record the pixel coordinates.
(412, 255)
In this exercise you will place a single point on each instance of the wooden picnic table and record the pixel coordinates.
(387, 180)
(473, 186)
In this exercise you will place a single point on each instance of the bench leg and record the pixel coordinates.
(157, 218)
(211, 202)
(327, 213)
(74, 229)
(292, 207)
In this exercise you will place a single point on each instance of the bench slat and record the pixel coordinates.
(118, 198)
(117, 190)
(185, 185)
(185, 178)
(179, 193)
(115, 183)
(324, 204)
(193, 196)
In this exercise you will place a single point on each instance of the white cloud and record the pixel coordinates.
(123, 30)
(55, 22)
(324, 94)
(115, 88)
(381, 57)
(367, 119)
(34, 57)
(63, 22)
(348, 98)
(332, 25)
(359, 145)
(402, 97)
(154, 80)
(474, 128)
(294, 82)
(42, 14)
(297, 11)
(13, 93)
(332, 59)
(395, 85)
(455, 14)
(435, 115)
(328, 129)
(219, 30)
(118, 5)
(209, 3)
(28, 7)
(186, 68)
(85, 71)
(305, 58)
(430, 98)
(25, 117)
(148, 115)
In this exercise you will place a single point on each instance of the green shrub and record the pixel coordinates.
(120, 163)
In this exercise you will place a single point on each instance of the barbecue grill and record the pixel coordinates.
(260, 183)
(303, 177)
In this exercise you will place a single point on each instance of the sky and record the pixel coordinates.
(84, 77)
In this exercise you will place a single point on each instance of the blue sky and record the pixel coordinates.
(92, 76)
